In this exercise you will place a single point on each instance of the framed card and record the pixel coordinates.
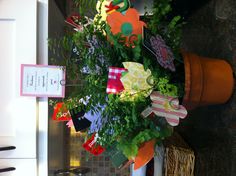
(42, 80)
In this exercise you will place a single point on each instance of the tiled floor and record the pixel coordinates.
(99, 165)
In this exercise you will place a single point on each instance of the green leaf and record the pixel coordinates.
(134, 117)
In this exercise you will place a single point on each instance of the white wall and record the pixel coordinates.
(42, 58)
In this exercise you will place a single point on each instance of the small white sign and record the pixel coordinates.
(42, 80)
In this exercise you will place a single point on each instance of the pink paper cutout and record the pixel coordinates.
(69, 124)
(75, 20)
(92, 146)
(168, 107)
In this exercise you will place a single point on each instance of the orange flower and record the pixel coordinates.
(128, 24)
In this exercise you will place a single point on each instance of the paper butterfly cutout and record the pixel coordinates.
(91, 146)
(136, 79)
(163, 53)
(114, 84)
(166, 106)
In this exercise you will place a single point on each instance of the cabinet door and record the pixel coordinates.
(17, 46)
(23, 167)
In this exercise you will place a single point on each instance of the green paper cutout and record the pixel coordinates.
(124, 8)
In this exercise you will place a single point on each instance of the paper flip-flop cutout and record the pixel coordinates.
(114, 85)
(79, 121)
(61, 113)
(168, 107)
(91, 146)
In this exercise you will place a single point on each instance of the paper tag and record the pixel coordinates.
(147, 112)
(118, 159)
(79, 121)
(91, 146)
(74, 20)
(75, 52)
(147, 35)
(42, 81)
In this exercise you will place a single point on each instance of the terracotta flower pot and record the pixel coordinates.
(207, 81)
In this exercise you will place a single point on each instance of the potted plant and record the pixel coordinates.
(132, 72)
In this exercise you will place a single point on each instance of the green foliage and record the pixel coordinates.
(122, 118)
(85, 7)
(167, 89)
(169, 28)
(130, 147)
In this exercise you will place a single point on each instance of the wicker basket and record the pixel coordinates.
(179, 158)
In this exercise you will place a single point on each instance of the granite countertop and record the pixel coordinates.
(211, 131)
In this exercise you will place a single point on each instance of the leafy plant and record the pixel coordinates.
(88, 73)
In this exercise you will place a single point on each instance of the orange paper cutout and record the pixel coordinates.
(145, 154)
(128, 25)
(64, 113)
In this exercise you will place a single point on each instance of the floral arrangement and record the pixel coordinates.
(124, 74)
